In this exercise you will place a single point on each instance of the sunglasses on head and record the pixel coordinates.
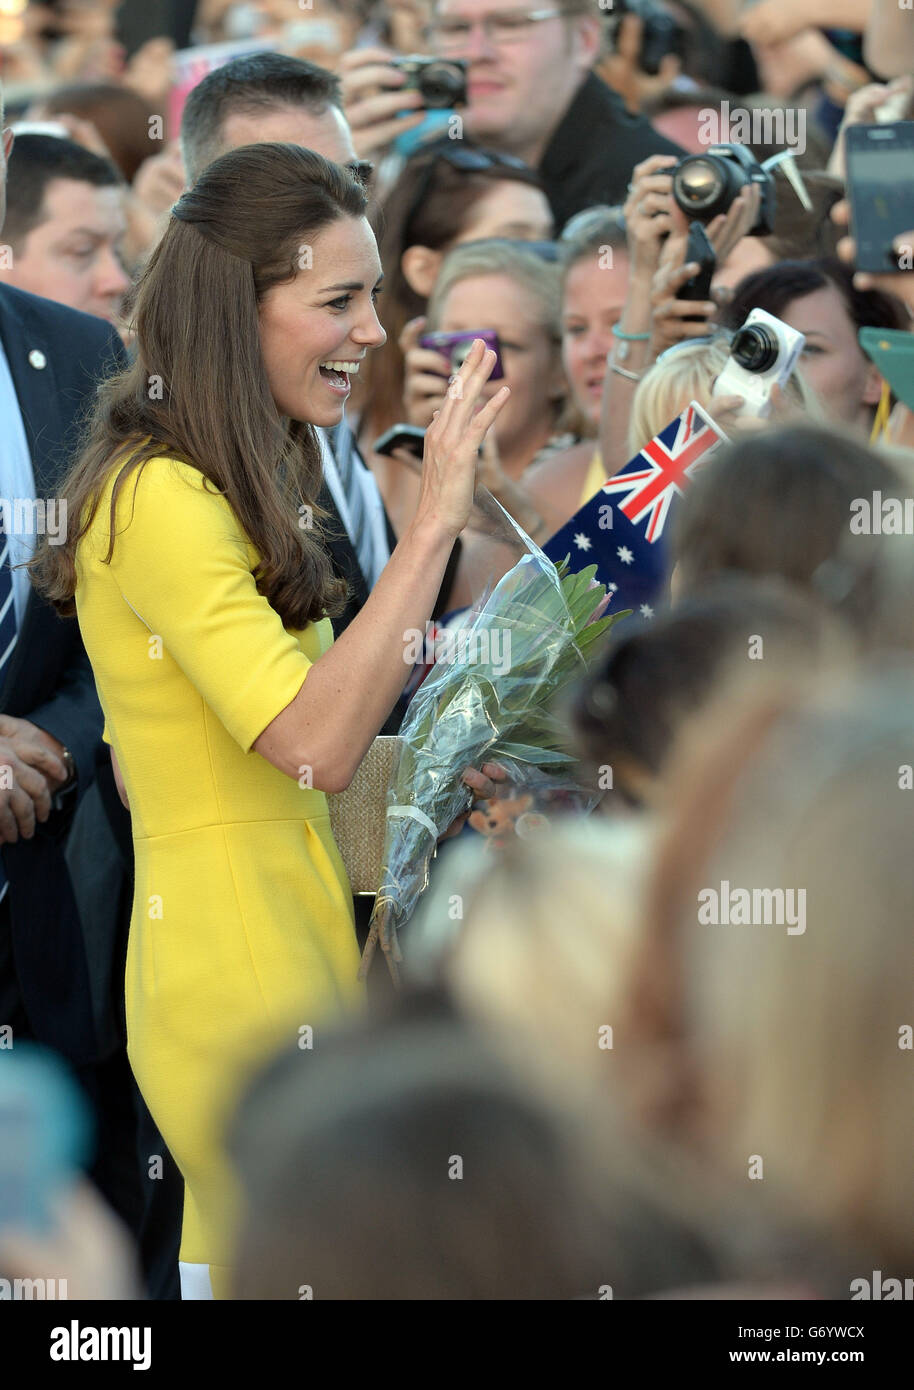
(468, 161)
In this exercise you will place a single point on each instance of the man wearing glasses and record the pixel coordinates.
(531, 93)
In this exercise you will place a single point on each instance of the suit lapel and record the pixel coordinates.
(37, 392)
(36, 387)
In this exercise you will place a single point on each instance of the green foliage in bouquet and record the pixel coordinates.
(473, 710)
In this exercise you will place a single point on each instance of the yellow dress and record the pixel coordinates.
(242, 935)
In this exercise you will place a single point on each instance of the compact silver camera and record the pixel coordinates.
(763, 354)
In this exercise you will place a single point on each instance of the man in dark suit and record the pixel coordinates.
(50, 724)
(51, 358)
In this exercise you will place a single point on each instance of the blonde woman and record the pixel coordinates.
(773, 984)
(507, 287)
(688, 372)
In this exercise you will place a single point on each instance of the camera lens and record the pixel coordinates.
(755, 348)
(441, 84)
(706, 184)
(699, 184)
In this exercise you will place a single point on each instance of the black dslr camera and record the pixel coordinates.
(706, 184)
(441, 82)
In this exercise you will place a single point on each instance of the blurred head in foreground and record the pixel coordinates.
(778, 502)
(406, 1159)
(659, 673)
(771, 994)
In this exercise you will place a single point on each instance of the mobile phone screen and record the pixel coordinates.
(880, 161)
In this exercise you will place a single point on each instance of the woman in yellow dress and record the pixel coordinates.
(195, 565)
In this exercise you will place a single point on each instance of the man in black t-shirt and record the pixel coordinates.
(531, 93)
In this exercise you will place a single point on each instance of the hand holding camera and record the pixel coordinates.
(425, 376)
(648, 213)
(877, 102)
(374, 91)
(379, 86)
(763, 355)
(705, 186)
(432, 360)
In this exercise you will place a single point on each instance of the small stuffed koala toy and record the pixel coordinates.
(506, 814)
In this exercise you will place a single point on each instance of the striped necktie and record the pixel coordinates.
(7, 608)
(7, 640)
(348, 466)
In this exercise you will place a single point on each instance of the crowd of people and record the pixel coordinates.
(287, 296)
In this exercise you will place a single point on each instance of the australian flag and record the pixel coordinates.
(621, 529)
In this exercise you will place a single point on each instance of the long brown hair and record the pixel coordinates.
(198, 390)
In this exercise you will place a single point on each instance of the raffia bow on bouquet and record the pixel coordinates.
(533, 634)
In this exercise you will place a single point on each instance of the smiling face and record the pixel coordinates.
(519, 91)
(593, 302)
(528, 354)
(326, 315)
(833, 362)
(73, 255)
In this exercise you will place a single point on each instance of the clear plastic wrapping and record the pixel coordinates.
(486, 700)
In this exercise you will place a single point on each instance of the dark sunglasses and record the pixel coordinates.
(468, 161)
(549, 251)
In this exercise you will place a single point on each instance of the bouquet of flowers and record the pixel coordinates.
(487, 699)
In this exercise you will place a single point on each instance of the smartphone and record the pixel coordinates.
(456, 346)
(699, 249)
(45, 1135)
(402, 436)
(880, 163)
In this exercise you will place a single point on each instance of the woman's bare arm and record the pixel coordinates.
(888, 41)
(325, 732)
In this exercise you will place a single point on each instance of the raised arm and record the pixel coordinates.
(349, 691)
(888, 40)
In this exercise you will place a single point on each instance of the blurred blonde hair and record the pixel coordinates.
(688, 373)
(540, 946)
(792, 1047)
(541, 959)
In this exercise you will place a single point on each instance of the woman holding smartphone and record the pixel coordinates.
(195, 565)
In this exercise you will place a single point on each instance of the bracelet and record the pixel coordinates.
(623, 371)
(618, 332)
